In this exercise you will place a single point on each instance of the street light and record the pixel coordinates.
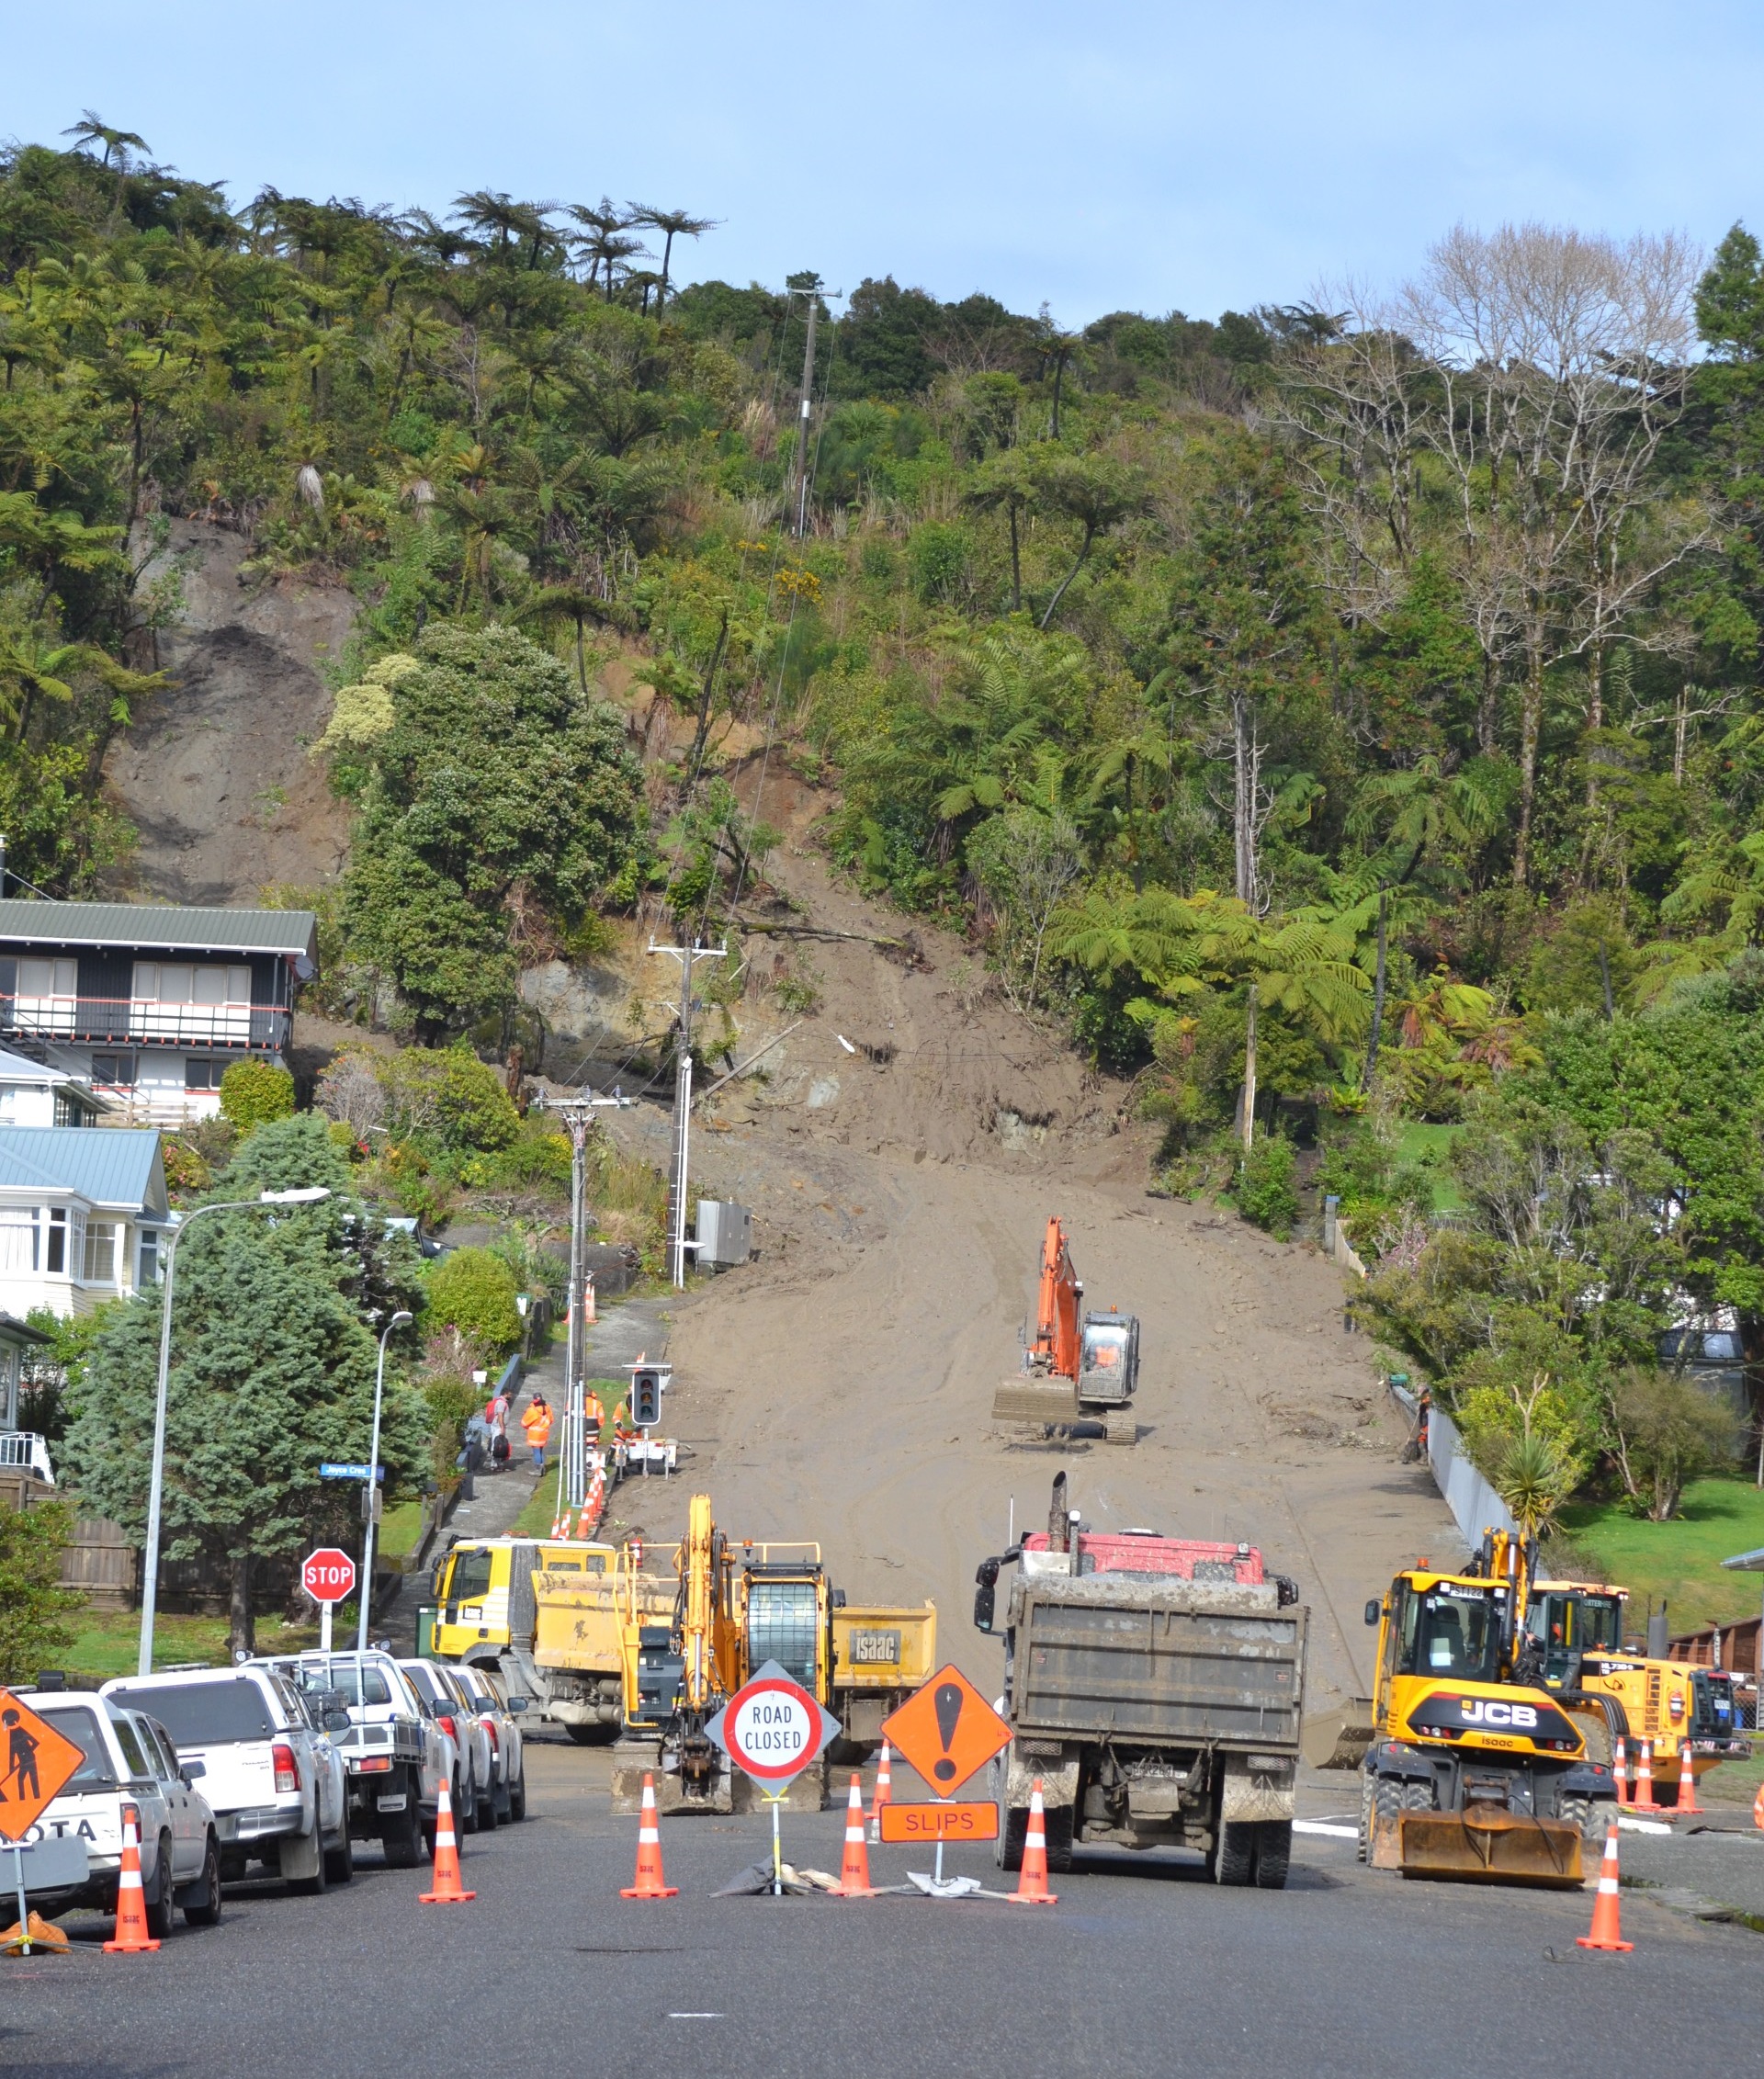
(399, 1320)
(304, 1194)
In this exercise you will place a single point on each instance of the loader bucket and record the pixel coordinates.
(1029, 1397)
(1488, 1844)
(1338, 1739)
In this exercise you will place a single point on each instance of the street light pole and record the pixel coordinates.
(399, 1320)
(307, 1194)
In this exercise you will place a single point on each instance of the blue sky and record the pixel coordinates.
(1096, 155)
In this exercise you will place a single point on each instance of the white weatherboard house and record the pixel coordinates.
(34, 1094)
(148, 1004)
(82, 1217)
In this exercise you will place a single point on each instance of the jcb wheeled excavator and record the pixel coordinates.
(1070, 1365)
(1475, 1770)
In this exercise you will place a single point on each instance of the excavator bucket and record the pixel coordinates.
(1338, 1739)
(1488, 1844)
(1030, 1397)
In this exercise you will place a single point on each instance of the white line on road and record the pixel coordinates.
(1323, 1826)
(697, 2017)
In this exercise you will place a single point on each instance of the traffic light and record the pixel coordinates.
(647, 1381)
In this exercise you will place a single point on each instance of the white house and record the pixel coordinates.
(23, 1457)
(82, 1217)
(149, 1003)
(34, 1094)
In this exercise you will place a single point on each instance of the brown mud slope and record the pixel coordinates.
(839, 1387)
(214, 774)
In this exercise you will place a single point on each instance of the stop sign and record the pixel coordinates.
(328, 1575)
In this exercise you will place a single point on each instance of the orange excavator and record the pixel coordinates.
(1072, 1363)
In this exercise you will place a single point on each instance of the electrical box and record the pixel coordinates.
(647, 1383)
(725, 1231)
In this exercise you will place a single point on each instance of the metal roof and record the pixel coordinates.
(14, 1330)
(162, 926)
(113, 1166)
(1747, 1562)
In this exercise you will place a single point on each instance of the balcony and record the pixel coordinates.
(22, 1451)
(140, 1021)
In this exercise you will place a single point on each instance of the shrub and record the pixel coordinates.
(1266, 1192)
(253, 1092)
(32, 1601)
(473, 1291)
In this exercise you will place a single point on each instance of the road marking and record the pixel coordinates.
(1644, 1825)
(1323, 1826)
(697, 2017)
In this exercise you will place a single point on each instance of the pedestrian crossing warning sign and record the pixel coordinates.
(35, 1762)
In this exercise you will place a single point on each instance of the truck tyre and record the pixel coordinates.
(586, 1736)
(1234, 1860)
(1058, 1822)
(465, 1805)
(1274, 1854)
(517, 1795)
(339, 1858)
(488, 1815)
(402, 1837)
(159, 1905)
(1365, 1819)
(202, 1899)
(1121, 1428)
(1014, 1830)
(1592, 1816)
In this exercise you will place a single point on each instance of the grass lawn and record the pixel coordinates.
(1429, 1147)
(1679, 1560)
(106, 1643)
(535, 1520)
(399, 1529)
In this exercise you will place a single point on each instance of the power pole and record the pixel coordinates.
(578, 1114)
(686, 955)
(807, 394)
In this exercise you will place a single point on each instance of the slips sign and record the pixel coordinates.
(911, 1823)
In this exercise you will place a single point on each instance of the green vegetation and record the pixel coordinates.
(254, 1091)
(34, 1607)
(1681, 1560)
(473, 1290)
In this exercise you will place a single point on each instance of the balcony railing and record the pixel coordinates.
(24, 1449)
(116, 1020)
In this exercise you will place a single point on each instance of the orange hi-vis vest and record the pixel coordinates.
(537, 1422)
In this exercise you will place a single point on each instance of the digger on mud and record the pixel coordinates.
(1071, 1366)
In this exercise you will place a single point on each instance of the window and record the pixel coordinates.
(55, 1249)
(48, 977)
(176, 981)
(1452, 1631)
(69, 1113)
(470, 1577)
(203, 1075)
(131, 1746)
(98, 1262)
(199, 1714)
(147, 1259)
(20, 1244)
(80, 1724)
(114, 1072)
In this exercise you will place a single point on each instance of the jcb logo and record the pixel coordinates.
(1490, 1710)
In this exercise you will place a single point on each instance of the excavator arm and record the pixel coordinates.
(1056, 1347)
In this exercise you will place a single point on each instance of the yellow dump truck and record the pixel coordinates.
(582, 1624)
(879, 1655)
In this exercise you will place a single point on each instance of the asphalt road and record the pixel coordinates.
(1142, 1967)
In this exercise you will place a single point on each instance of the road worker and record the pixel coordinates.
(536, 1425)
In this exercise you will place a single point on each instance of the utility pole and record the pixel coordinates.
(808, 393)
(686, 955)
(578, 1114)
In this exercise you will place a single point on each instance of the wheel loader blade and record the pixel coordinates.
(1026, 1398)
(1338, 1739)
(1490, 1845)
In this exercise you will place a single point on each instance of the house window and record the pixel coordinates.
(20, 1240)
(114, 1072)
(147, 1259)
(68, 1114)
(55, 1243)
(175, 981)
(48, 977)
(203, 1075)
(99, 1264)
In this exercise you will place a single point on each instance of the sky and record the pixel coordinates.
(1092, 155)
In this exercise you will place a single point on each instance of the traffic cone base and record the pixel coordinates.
(1607, 1919)
(448, 1891)
(132, 1938)
(885, 1793)
(1688, 1806)
(1032, 1886)
(652, 1880)
(854, 1866)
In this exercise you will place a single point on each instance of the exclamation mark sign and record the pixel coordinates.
(947, 1704)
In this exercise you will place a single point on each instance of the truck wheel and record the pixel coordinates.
(1591, 1815)
(1365, 1819)
(586, 1736)
(316, 1885)
(487, 1812)
(403, 1839)
(1121, 1428)
(1014, 1830)
(340, 1860)
(1274, 1854)
(1236, 1859)
(1059, 1821)
(465, 1805)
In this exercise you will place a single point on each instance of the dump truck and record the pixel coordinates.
(1154, 1686)
(1474, 1770)
(1574, 1643)
(736, 1604)
(581, 1622)
(1072, 1366)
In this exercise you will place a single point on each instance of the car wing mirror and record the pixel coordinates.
(1372, 1611)
(986, 1593)
(190, 1770)
(337, 1720)
(519, 1703)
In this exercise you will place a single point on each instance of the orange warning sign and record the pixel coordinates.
(947, 1731)
(35, 1761)
(940, 1823)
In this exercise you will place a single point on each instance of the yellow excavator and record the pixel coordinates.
(1474, 1770)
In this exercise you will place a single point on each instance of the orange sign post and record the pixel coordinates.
(35, 1762)
(947, 1732)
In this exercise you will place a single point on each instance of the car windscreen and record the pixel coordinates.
(201, 1714)
(470, 1577)
(97, 1771)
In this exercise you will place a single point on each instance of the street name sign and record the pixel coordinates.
(332, 1469)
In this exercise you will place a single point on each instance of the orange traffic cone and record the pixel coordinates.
(448, 1890)
(1032, 1887)
(589, 1318)
(1644, 1798)
(885, 1794)
(1620, 1770)
(854, 1869)
(1686, 1782)
(1758, 1807)
(131, 1935)
(651, 1880)
(1607, 1921)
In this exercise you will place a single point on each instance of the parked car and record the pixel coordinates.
(275, 1792)
(457, 1717)
(395, 1755)
(130, 1772)
(484, 1686)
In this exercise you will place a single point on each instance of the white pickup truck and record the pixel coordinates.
(275, 1783)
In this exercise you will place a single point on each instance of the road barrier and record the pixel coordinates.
(1687, 1782)
(1620, 1770)
(1644, 1798)
(884, 1793)
(1607, 1932)
(132, 1937)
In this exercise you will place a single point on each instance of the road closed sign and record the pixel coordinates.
(328, 1575)
(772, 1728)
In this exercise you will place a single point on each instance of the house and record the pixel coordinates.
(82, 1217)
(34, 1094)
(25, 1472)
(148, 1004)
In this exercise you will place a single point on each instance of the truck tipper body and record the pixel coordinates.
(1154, 1688)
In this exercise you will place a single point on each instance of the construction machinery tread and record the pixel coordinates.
(1120, 1428)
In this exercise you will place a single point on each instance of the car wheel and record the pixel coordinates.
(404, 1840)
(202, 1909)
(340, 1860)
(487, 1812)
(317, 1884)
(159, 1905)
(517, 1796)
(465, 1806)
(504, 1803)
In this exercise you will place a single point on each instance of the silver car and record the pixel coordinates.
(473, 1803)
(483, 1686)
